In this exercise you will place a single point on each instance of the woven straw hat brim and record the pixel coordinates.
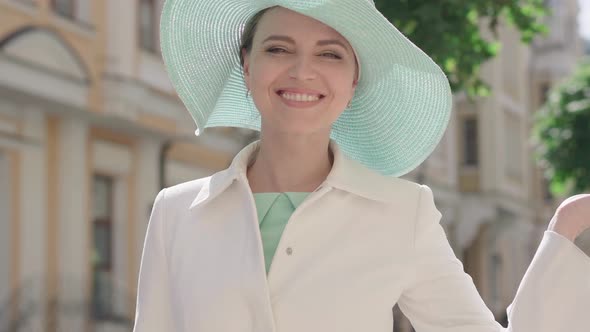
(402, 103)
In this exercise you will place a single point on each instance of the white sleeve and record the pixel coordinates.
(153, 312)
(554, 294)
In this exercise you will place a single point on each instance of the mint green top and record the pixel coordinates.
(274, 210)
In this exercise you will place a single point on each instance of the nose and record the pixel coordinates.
(302, 69)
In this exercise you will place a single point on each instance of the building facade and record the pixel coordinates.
(90, 130)
(491, 192)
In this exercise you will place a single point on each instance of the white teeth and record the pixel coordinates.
(299, 97)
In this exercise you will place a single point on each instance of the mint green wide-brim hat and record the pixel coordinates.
(402, 102)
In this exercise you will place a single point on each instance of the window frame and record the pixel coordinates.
(97, 309)
(467, 159)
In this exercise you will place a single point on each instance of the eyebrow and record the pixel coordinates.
(319, 43)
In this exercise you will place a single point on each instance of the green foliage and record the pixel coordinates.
(449, 31)
(562, 133)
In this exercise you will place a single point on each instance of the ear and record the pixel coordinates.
(354, 85)
(246, 67)
(246, 58)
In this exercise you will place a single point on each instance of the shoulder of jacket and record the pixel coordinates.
(404, 183)
(367, 182)
(401, 189)
(185, 191)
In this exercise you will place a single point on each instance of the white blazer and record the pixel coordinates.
(356, 246)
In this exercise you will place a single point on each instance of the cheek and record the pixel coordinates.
(343, 87)
(260, 83)
(263, 71)
(342, 78)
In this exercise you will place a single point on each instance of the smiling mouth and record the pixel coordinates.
(299, 97)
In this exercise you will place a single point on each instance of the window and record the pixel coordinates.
(513, 142)
(549, 3)
(64, 7)
(470, 143)
(102, 292)
(78, 10)
(147, 25)
(544, 90)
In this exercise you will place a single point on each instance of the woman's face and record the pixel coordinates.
(301, 73)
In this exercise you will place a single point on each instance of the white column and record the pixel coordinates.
(33, 211)
(73, 224)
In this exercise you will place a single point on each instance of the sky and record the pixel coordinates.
(584, 18)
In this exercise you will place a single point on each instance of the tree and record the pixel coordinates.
(449, 31)
(562, 134)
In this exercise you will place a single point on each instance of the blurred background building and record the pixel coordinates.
(91, 130)
(494, 200)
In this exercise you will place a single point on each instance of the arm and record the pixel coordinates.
(153, 312)
(440, 297)
(554, 294)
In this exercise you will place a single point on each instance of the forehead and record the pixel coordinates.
(284, 21)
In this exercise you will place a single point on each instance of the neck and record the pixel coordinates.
(290, 164)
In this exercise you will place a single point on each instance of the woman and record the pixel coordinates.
(310, 228)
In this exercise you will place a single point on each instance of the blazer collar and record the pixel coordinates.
(346, 174)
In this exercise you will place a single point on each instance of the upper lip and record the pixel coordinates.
(300, 91)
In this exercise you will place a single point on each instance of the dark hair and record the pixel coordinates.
(248, 33)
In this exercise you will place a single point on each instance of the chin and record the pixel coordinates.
(296, 125)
